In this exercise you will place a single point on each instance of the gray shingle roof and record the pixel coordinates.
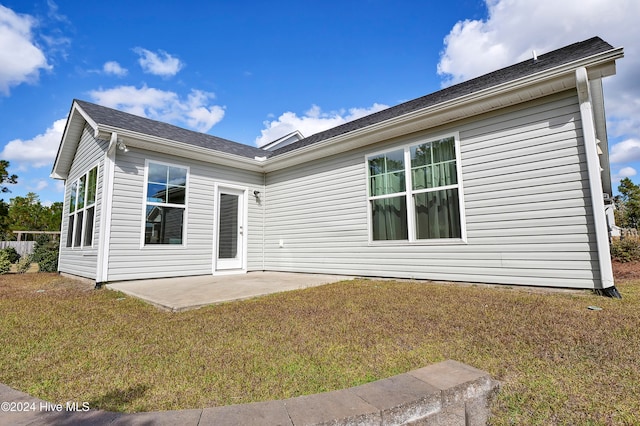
(567, 54)
(123, 120)
(544, 62)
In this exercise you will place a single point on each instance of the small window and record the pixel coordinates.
(82, 206)
(414, 192)
(165, 204)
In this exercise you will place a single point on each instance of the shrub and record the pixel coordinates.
(48, 261)
(24, 264)
(625, 249)
(5, 264)
(14, 256)
(45, 254)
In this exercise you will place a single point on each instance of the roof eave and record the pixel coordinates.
(168, 146)
(70, 140)
(516, 91)
(519, 90)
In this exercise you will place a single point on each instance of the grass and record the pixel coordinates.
(559, 362)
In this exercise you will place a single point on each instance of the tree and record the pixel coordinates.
(5, 177)
(27, 214)
(628, 204)
(53, 216)
(4, 222)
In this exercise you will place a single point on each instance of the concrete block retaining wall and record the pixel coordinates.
(448, 393)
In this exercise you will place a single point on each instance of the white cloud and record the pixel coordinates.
(54, 14)
(514, 28)
(36, 152)
(625, 151)
(161, 63)
(20, 58)
(112, 67)
(194, 112)
(627, 172)
(313, 121)
(40, 185)
(624, 173)
(57, 44)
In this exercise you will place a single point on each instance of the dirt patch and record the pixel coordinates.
(626, 270)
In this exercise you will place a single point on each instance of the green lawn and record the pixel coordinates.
(559, 362)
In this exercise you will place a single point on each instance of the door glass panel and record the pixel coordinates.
(228, 229)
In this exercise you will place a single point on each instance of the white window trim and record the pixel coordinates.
(409, 192)
(145, 203)
(83, 209)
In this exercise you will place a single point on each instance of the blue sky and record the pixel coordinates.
(251, 71)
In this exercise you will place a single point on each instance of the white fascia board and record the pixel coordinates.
(599, 65)
(86, 116)
(70, 140)
(168, 146)
(519, 90)
(276, 143)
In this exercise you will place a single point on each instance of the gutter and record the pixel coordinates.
(600, 65)
(595, 184)
(182, 149)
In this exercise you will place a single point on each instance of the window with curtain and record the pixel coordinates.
(165, 204)
(82, 208)
(387, 188)
(414, 193)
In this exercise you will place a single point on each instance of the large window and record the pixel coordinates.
(414, 192)
(165, 204)
(82, 210)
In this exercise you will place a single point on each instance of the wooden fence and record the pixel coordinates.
(22, 247)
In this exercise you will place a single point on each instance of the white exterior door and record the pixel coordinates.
(231, 216)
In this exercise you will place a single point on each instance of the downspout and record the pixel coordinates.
(64, 209)
(595, 184)
(264, 215)
(102, 274)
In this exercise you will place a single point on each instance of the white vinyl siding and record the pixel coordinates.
(526, 205)
(128, 259)
(89, 154)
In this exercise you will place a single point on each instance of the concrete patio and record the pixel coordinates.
(179, 294)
